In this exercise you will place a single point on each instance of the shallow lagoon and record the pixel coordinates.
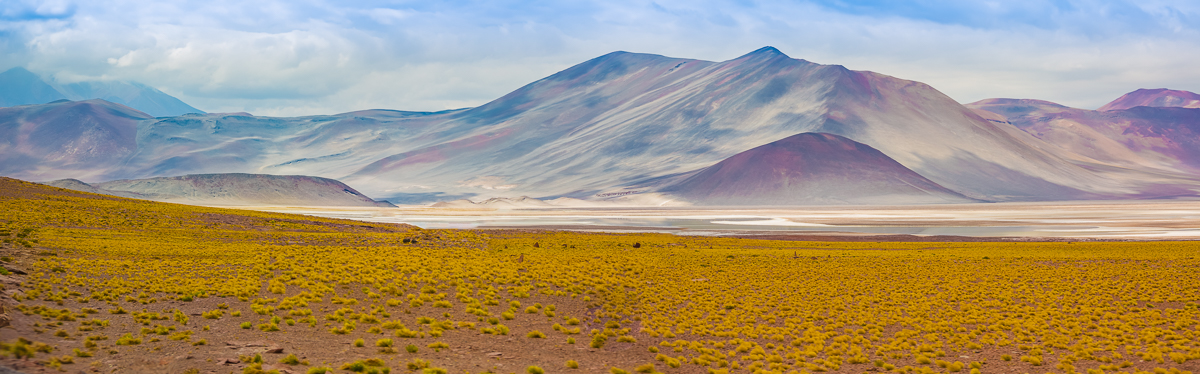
(1157, 219)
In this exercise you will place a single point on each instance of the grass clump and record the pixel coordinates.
(369, 366)
(128, 339)
(438, 346)
(290, 359)
(598, 341)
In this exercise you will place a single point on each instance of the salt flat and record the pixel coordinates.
(1135, 220)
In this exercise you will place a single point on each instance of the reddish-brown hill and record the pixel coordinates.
(810, 168)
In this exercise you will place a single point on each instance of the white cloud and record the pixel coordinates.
(388, 16)
(292, 58)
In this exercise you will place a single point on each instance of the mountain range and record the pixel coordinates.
(19, 86)
(1161, 139)
(763, 128)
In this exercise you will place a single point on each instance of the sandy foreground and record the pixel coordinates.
(1108, 220)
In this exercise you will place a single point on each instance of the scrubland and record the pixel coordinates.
(117, 285)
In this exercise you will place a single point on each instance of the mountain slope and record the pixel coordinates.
(236, 189)
(810, 169)
(1160, 97)
(328, 146)
(73, 138)
(1166, 139)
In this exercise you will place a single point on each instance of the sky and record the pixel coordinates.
(304, 57)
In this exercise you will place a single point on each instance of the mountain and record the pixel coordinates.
(1160, 97)
(232, 189)
(327, 146)
(76, 138)
(1163, 143)
(613, 121)
(810, 169)
(621, 124)
(132, 94)
(19, 86)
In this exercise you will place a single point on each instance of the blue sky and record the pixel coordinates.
(322, 57)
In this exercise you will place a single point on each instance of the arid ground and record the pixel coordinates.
(110, 285)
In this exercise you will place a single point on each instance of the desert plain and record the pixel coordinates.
(102, 284)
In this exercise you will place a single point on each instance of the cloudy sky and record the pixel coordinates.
(322, 57)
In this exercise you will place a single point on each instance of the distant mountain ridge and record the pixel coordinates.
(19, 86)
(232, 189)
(1158, 98)
(1162, 139)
